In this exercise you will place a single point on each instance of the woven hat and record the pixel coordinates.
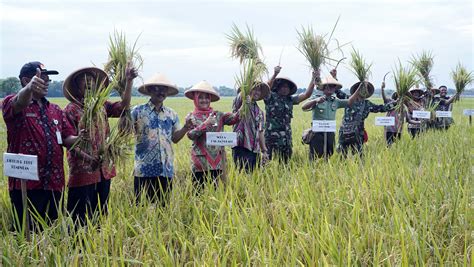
(280, 80)
(435, 91)
(416, 89)
(264, 87)
(204, 87)
(69, 86)
(328, 81)
(370, 89)
(158, 79)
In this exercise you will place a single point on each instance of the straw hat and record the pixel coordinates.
(69, 86)
(280, 80)
(264, 87)
(158, 79)
(370, 89)
(416, 89)
(435, 91)
(204, 87)
(328, 81)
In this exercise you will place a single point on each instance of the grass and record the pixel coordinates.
(399, 206)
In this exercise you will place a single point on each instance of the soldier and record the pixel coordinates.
(279, 112)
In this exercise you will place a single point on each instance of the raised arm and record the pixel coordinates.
(315, 78)
(384, 97)
(130, 74)
(25, 95)
(276, 71)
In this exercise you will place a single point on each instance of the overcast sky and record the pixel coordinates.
(186, 39)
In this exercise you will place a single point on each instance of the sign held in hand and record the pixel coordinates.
(444, 114)
(384, 121)
(20, 166)
(420, 114)
(322, 126)
(221, 139)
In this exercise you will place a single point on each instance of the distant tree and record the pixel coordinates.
(55, 89)
(9, 85)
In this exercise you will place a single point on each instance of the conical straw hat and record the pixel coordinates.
(293, 87)
(329, 80)
(69, 85)
(158, 79)
(204, 87)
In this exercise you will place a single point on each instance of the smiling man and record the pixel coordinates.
(156, 126)
(37, 127)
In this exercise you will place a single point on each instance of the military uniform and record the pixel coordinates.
(279, 112)
(441, 102)
(351, 132)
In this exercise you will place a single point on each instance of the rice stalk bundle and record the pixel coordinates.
(93, 120)
(423, 64)
(250, 76)
(461, 78)
(120, 53)
(405, 78)
(361, 69)
(117, 148)
(244, 46)
(313, 47)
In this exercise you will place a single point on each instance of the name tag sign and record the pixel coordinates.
(468, 112)
(420, 114)
(444, 114)
(221, 139)
(20, 166)
(324, 126)
(384, 121)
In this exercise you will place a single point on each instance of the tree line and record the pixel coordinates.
(12, 85)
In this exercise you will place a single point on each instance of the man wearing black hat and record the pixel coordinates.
(37, 127)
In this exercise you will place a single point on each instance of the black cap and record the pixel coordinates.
(29, 69)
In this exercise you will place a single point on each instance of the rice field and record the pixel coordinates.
(408, 205)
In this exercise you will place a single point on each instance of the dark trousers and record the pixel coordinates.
(355, 146)
(282, 153)
(391, 137)
(316, 146)
(42, 203)
(86, 200)
(244, 158)
(414, 132)
(202, 178)
(155, 188)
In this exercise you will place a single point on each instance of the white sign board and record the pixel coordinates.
(469, 112)
(20, 166)
(420, 114)
(221, 139)
(321, 126)
(444, 114)
(384, 121)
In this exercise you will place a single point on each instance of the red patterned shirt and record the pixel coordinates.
(80, 171)
(33, 131)
(204, 157)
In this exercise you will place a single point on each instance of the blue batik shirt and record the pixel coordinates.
(153, 131)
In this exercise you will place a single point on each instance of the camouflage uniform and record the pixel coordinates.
(279, 112)
(351, 132)
(440, 102)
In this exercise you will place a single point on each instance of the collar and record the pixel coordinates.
(152, 106)
(43, 101)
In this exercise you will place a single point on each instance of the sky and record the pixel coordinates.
(186, 40)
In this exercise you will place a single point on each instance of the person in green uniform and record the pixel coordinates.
(279, 112)
(324, 106)
(351, 132)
